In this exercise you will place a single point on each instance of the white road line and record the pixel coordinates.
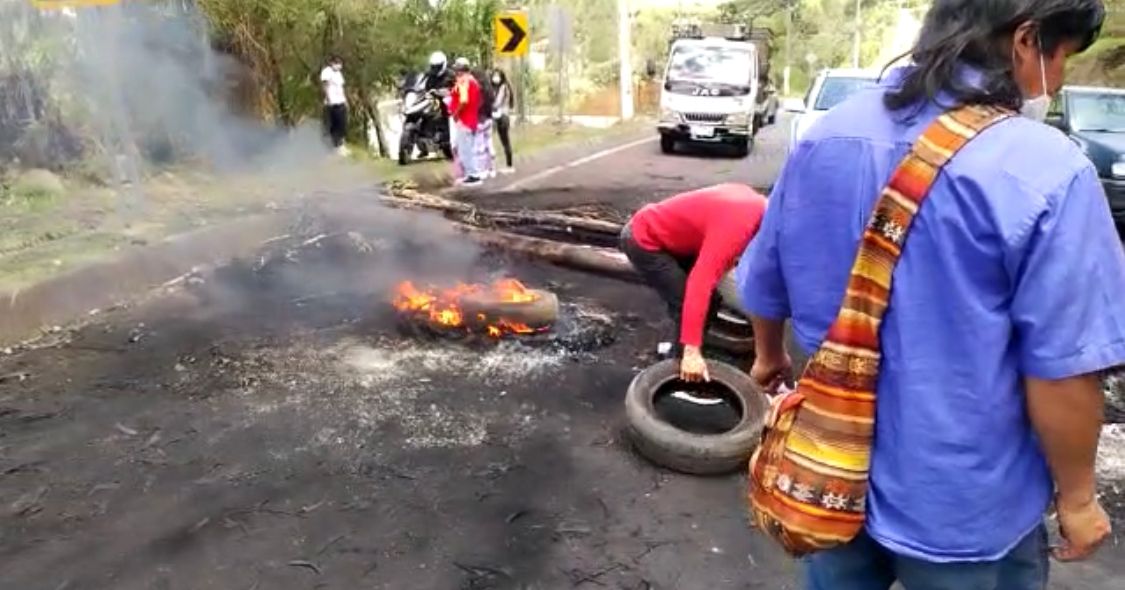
(576, 163)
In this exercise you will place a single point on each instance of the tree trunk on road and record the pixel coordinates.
(410, 198)
(602, 261)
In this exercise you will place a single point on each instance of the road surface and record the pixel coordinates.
(272, 426)
(635, 172)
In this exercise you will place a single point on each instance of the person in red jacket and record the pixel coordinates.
(465, 106)
(683, 246)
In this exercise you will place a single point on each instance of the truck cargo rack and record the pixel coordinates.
(697, 30)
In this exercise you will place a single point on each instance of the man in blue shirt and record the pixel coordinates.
(1006, 304)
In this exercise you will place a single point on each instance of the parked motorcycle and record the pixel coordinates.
(425, 121)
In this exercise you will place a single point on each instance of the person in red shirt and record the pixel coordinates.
(464, 107)
(683, 246)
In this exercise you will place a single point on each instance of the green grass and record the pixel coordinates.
(1095, 65)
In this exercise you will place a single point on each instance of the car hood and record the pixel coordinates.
(801, 124)
(1103, 148)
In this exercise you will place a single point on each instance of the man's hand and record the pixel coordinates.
(771, 373)
(1084, 527)
(1067, 415)
(693, 367)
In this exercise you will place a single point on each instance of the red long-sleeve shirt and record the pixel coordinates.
(714, 225)
(465, 102)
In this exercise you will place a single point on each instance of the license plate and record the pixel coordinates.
(697, 131)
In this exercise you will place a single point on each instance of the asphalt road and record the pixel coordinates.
(621, 178)
(271, 425)
(635, 172)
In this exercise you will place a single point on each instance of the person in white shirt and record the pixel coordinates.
(335, 102)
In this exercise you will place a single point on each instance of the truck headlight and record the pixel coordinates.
(1118, 169)
(738, 119)
(667, 115)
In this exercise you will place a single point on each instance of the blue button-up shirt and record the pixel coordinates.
(1013, 269)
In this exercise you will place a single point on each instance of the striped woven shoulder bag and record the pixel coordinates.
(809, 476)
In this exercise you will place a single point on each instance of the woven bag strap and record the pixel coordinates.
(869, 287)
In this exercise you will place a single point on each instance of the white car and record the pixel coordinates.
(830, 88)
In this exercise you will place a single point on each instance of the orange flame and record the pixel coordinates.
(442, 307)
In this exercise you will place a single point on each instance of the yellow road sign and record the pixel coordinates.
(57, 4)
(512, 33)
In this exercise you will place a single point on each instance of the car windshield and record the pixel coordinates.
(702, 65)
(837, 89)
(1091, 111)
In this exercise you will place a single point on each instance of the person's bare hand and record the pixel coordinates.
(1084, 527)
(693, 367)
(771, 374)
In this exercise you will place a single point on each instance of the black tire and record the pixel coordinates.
(538, 314)
(743, 147)
(447, 150)
(405, 148)
(728, 292)
(730, 332)
(685, 452)
(667, 144)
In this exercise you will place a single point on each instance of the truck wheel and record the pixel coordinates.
(667, 144)
(743, 147)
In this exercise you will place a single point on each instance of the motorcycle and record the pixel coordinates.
(425, 122)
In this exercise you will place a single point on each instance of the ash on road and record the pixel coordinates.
(268, 427)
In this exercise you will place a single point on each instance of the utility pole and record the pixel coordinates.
(786, 73)
(625, 56)
(858, 30)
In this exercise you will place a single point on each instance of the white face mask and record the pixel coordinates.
(1038, 107)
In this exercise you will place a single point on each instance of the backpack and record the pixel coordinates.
(809, 476)
(487, 96)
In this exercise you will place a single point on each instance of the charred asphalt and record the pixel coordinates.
(267, 425)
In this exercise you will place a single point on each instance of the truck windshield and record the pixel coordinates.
(837, 89)
(711, 65)
(1091, 111)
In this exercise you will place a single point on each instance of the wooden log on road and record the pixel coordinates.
(603, 261)
(408, 198)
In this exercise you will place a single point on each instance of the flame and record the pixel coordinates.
(442, 307)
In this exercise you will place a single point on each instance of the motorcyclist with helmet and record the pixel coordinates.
(439, 76)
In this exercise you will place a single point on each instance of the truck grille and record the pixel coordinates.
(704, 118)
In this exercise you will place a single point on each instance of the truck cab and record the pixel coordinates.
(710, 91)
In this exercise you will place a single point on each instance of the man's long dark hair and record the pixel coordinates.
(978, 33)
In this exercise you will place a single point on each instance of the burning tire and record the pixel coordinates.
(539, 313)
(675, 448)
(503, 308)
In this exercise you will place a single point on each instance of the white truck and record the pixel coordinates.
(711, 89)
